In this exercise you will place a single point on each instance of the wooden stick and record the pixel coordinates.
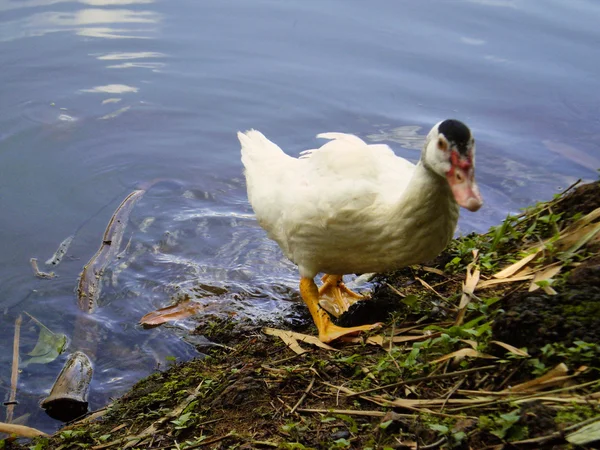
(20, 430)
(14, 377)
(312, 382)
(427, 378)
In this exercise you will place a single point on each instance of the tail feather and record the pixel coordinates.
(257, 148)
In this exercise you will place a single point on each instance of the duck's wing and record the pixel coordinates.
(347, 157)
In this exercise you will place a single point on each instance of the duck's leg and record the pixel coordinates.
(328, 331)
(335, 296)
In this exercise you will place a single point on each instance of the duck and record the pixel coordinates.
(350, 207)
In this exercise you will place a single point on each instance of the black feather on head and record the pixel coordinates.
(457, 134)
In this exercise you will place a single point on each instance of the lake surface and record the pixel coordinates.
(99, 97)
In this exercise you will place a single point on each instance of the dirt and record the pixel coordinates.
(252, 391)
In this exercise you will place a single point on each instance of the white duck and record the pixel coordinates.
(350, 207)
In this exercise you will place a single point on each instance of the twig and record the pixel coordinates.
(14, 377)
(429, 378)
(312, 382)
(352, 412)
(426, 285)
(212, 441)
(436, 444)
(396, 291)
(452, 391)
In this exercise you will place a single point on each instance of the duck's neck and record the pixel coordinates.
(429, 198)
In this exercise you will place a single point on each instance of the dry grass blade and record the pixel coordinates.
(468, 287)
(349, 412)
(21, 430)
(488, 283)
(588, 235)
(511, 348)
(539, 383)
(429, 287)
(461, 354)
(423, 337)
(514, 268)
(544, 275)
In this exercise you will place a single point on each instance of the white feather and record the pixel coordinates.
(347, 207)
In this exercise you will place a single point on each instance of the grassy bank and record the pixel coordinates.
(495, 344)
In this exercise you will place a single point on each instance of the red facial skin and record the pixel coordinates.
(461, 178)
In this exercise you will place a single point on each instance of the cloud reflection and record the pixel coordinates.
(8, 5)
(132, 55)
(122, 56)
(85, 22)
(112, 89)
(501, 3)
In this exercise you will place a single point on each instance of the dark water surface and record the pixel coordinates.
(100, 96)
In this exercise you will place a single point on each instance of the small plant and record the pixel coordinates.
(504, 426)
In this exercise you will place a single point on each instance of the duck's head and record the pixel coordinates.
(450, 152)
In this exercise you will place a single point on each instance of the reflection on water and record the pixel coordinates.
(80, 21)
(112, 89)
(77, 136)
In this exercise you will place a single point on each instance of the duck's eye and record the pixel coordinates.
(442, 144)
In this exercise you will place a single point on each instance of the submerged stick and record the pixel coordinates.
(14, 377)
(38, 273)
(20, 430)
(90, 280)
(60, 252)
(68, 397)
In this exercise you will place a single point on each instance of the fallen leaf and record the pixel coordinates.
(463, 353)
(468, 287)
(311, 340)
(47, 348)
(585, 435)
(171, 313)
(287, 338)
(541, 382)
(488, 283)
(513, 268)
(511, 348)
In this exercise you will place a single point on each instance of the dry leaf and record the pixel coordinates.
(434, 270)
(541, 382)
(287, 338)
(20, 430)
(511, 348)
(470, 342)
(463, 353)
(488, 283)
(513, 268)
(468, 287)
(171, 313)
(311, 340)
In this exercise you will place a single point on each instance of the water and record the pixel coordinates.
(101, 96)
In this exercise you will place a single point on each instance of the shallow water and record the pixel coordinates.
(101, 96)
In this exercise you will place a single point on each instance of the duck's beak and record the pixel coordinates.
(464, 187)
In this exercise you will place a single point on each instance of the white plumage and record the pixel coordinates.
(350, 207)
